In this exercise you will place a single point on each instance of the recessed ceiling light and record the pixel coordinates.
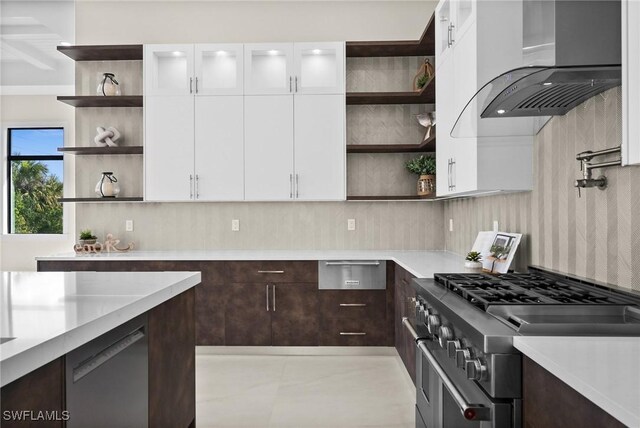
(65, 44)
(222, 53)
(547, 84)
(501, 111)
(273, 52)
(317, 51)
(176, 53)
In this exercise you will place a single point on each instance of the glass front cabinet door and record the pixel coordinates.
(168, 70)
(268, 68)
(319, 68)
(219, 69)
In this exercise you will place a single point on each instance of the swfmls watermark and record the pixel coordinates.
(35, 415)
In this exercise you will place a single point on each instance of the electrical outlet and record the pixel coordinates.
(450, 225)
(351, 224)
(128, 225)
(235, 225)
(496, 226)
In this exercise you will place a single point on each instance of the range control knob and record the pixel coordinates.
(475, 369)
(452, 347)
(423, 313)
(445, 334)
(433, 322)
(462, 355)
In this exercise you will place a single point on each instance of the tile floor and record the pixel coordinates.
(328, 391)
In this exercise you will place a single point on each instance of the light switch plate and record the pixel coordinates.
(450, 225)
(496, 226)
(235, 225)
(351, 224)
(128, 225)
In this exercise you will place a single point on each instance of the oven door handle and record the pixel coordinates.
(472, 412)
(408, 326)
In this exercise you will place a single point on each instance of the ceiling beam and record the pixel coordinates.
(28, 54)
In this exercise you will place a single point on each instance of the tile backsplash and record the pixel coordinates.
(595, 236)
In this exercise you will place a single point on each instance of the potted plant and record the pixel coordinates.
(87, 237)
(425, 167)
(473, 261)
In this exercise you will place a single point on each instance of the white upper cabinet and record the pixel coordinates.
(219, 69)
(630, 82)
(319, 68)
(168, 69)
(268, 68)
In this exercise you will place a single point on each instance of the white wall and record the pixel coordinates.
(18, 252)
(112, 22)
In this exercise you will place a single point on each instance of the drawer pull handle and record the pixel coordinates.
(363, 263)
(353, 305)
(270, 271)
(352, 333)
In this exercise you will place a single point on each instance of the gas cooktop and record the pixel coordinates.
(484, 290)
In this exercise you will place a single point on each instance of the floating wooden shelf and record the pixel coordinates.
(426, 96)
(101, 101)
(389, 198)
(423, 47)
(103, 52)
(119, 199)
(428, 145)
(121, 150)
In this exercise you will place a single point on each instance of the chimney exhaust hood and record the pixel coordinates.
(571, 52)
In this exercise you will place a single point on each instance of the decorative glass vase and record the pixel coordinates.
(108, 86)
(108, 186)
(426, 185)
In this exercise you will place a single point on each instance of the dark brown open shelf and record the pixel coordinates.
(119, 199)
(103, 52)
(423, 47)
(389, 198)
(428, 145)
(101, 101)
(426, 96)
(121, 150)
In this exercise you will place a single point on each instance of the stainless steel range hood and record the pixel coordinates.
(571, 52)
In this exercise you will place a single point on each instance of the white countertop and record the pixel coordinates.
(52, 313)
(422, 264)
(606, 370)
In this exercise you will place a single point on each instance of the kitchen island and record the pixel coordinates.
(45, 317)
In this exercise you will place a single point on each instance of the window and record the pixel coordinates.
(35, 177)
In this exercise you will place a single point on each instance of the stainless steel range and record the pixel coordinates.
(468, 372)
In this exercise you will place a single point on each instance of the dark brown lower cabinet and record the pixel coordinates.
(548, 402)
(280, 314)
(172, 362)
(40, 390)
(405, 344)
(247, 318)
(294, 319)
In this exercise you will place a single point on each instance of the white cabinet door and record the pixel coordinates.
(464, 171)
(319, 68)
(219, 148)
(444, 15)
(445, 115)
(168, 145)
(168, 69)
(465, 17)
(630, 82)
(218, 69)
(319, 147)
(268, 68)
(268, 147)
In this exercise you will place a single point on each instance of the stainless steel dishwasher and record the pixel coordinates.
(108, 379)
(352, 275)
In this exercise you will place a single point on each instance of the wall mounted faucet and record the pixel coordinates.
(586, 167)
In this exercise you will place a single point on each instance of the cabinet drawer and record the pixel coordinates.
(273, 271)
(353, 332)
(353, 304)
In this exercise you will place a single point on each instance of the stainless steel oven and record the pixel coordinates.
(446, 398)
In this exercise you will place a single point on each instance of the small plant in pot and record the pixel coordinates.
(87, 237)
(425, 168)
(473, 261)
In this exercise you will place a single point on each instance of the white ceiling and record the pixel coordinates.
(30, 31)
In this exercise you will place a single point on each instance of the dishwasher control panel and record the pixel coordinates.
(352, 274)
